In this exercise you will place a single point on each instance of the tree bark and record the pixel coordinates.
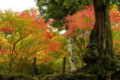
(35, 66)
(101, 42)
(103, 38)
(72, 53)
(63, 66)
(119, 6)
(101, 34)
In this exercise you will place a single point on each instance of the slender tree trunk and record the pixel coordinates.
(119, 6)
(10, 67)
(72, 53)
(35, 66)
(64, 64)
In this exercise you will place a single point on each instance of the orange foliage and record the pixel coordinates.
(32, 26)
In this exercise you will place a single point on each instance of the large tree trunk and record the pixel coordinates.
(101, 33)
(72, 53)
(100, 48)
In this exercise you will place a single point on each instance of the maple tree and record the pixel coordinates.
(57, 10)
(27, 36)
(80, 20)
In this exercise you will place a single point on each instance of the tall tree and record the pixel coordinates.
(58, 10)
(99, 53)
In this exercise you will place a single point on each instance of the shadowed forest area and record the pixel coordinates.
(61, 40)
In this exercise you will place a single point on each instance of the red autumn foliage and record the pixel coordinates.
(6, 30)
(3, 51)
(48, 35)
(85, 19)
(115, 16)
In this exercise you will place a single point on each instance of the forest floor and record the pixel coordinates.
(66, 76)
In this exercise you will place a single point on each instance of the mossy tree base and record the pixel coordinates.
(99, 54)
